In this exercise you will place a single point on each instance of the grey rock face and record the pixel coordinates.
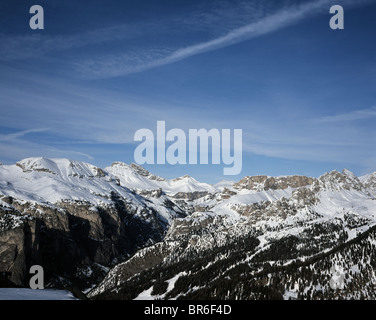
(190, 196)
(70, 236)
(265, 183)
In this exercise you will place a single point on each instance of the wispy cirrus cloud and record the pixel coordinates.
(223, 25)
(15, 146)
(123, 64)
(350, 116)
(19, 134)
(29, 46)
(23, 47)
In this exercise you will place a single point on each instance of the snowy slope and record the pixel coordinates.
(29, 294)
(52, 180)
(132, 177)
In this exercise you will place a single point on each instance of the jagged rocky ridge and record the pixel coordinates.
(133, 235)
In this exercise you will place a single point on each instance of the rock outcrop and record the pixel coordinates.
(69, 236)
(259, 183)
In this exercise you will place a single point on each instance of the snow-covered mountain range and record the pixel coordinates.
(123, 233)
(43, 180)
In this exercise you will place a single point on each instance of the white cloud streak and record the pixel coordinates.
(16, 135)
(350, 116)
(107, 65)
(124, 64)
(16, 146)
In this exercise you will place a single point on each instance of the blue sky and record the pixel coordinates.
(303, 94)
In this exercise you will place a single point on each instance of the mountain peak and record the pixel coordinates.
(140, 170)
(37, 164)
(348, 173)
(143, 172)
(185, 177)
(119, 163)
(60, 166)
(266, 182)
(336, 180)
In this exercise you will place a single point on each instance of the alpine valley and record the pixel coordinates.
(123, 233)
